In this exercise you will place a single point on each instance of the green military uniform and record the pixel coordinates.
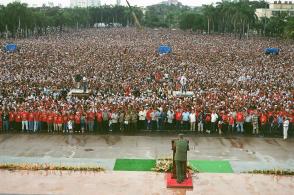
(181, 158)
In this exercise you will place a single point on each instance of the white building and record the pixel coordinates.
(85, 3)
(276, 9)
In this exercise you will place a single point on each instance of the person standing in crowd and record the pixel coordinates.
(36, 121)
(185, 119)
(77, 122)
(59, 122)
(200, 120)
(142, 119)
(65, 122)
(285, 128)
(24, 119)
(248, 122)
(263, 123)
(31, 121)
(255, 125)
(99, 120)
(134, 121)
(114, 121)
(12, 115)
(225, 123)
(170, 119)
(121, 120)
(192, 118)
(231, 124)
(240, 122)
(149, 119)
(214, 119)
(207, 123)
(18, 121)
(105, 120)
(83, 122)
(5, 120)
(127, 121)
(90, 120)
(50, 120)
(280, 123)
(178, 118)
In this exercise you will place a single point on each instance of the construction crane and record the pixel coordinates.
(137, 23)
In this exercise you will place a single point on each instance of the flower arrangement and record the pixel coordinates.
(37, 167)
(273, 172)
(166, 165)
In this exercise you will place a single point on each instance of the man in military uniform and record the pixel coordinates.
(182, 147)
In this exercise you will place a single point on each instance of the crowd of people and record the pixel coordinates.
(236, 88)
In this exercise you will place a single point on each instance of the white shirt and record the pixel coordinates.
(286, 123)
(192, 118)
(170, 116)
(142, 115)
(214, 117)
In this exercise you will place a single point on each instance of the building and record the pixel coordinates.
(276, 9)
(85, 3)
(170, 2)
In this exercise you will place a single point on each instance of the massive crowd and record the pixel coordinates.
(237, 88)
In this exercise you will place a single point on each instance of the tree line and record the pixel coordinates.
(235, 18)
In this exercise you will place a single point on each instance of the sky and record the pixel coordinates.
(66, 3)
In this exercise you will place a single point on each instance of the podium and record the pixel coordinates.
(174, 168)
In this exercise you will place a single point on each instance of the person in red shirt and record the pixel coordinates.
(240, 122)
(55, 126)
(31, 121)
(148, 118)
(24, 121)
(65, 121)
(207, 122)
(12, 115)
(78, 122)
(18, 121)
(178, 118)
(59, 122)
(99, 120)
(50, 117)
(36, 121)
(225, 119)
(263, 121)
(90, 120)
(231, 124)
(43, 119)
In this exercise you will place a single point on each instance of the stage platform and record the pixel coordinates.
(79, 93)
(184, 94)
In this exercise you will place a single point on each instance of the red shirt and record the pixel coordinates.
(239, 117)
(50, 118)
(24, 116)
(77, 119)
(225, 118)
(231, 120)
(178, 116)
(31, 117)
(65, 118)
(59, 119)
(36, 116)
(207, 118)
(99, 116)
(148, 115)
(263, 118)
(43, 117)
(71, 117)
(90, 116)
(12, 116)
(18, 117)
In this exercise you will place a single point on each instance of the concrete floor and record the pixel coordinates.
(243, 153)
(133, 183)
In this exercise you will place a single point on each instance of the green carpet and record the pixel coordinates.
(215, 166)
(134, 164)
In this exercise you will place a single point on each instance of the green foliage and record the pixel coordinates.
(190, 20)
(21, 20)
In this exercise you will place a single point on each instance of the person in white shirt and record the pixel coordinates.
(142, 119)
(213, 121)
(192, 118)
(114, 121)
(170, 118)
(285, 128)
